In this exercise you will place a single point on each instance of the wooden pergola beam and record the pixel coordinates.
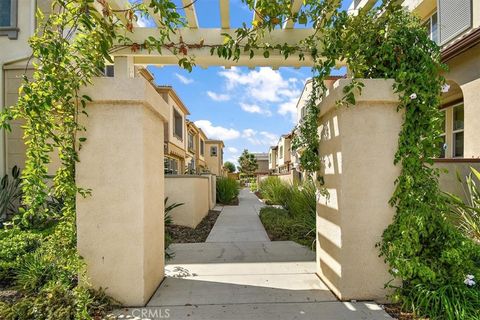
(295, 8)
(357, 5)
(190, 13)
(209, 37)
(225, 14)
(256, 16)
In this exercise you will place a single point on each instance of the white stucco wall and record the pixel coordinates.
(357, 149)
(194, 192)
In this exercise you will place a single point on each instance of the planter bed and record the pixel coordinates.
(181, 234)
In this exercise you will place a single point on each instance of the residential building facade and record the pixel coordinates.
(214, 156)
(455, 27)
(272, 159)
(17, 25)
(175, 131)
(201, 162)
(263, 163)
(284, 154)
(192, 148)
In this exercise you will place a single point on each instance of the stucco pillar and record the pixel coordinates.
(471, 98)
(121, 225)
(357, 149)
(124, 67)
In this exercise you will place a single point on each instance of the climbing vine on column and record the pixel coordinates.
(425, 253)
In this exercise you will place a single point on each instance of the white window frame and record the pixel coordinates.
(213, 151)
(455, 131)
(444, 134)
(174, 127)
(191, 141)
(12, 30)
(429, 22)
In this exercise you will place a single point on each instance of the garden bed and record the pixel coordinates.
(281, 226)
(395, 311)
(182, 234)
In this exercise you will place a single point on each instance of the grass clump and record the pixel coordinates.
(281, 226)
(227, 190)
(297, 220)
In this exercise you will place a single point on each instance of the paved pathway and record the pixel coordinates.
(240, 274)
(240, 223)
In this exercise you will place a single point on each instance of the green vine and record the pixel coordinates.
(424, 251)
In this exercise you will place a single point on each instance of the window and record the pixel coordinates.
(432, 27)
(202, 147)
(190, 142)
(8, 19)
(443, 142)
(171, 166)
(109, 71)
(280, 155)
(213, 151)
(302, 112)
(178, 124)
(191, 167)
(458, 117)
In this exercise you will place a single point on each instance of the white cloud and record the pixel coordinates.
(218, 96)
(217, 132)
(264, 84)
(289, 107)
(183, 79)
(260, 138)
(144, 21)
(247, 133)
(253, 108)
(232, 149)
(269, 138)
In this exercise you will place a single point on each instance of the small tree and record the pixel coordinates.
(229, 166)
(248, 163)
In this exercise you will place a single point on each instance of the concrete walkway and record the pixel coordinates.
(240, 274)
(240, 223)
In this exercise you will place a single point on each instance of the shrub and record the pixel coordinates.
(280, 225)
(253, 185)
(444, 302)
(466, 215)
(303, 205)
(275, 191)
(46, 272)
(297, 221)
(10, 195)
(168, 221)
(15, 244)
(227, 190)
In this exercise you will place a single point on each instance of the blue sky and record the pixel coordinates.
(247, 109)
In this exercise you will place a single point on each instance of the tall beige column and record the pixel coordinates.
(121, 226)
(357, 149)
(471, 98)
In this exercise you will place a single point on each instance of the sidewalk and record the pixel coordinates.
(240, 223)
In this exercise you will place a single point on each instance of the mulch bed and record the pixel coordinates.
(8, 295)
(395, 311)
(181, 234)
